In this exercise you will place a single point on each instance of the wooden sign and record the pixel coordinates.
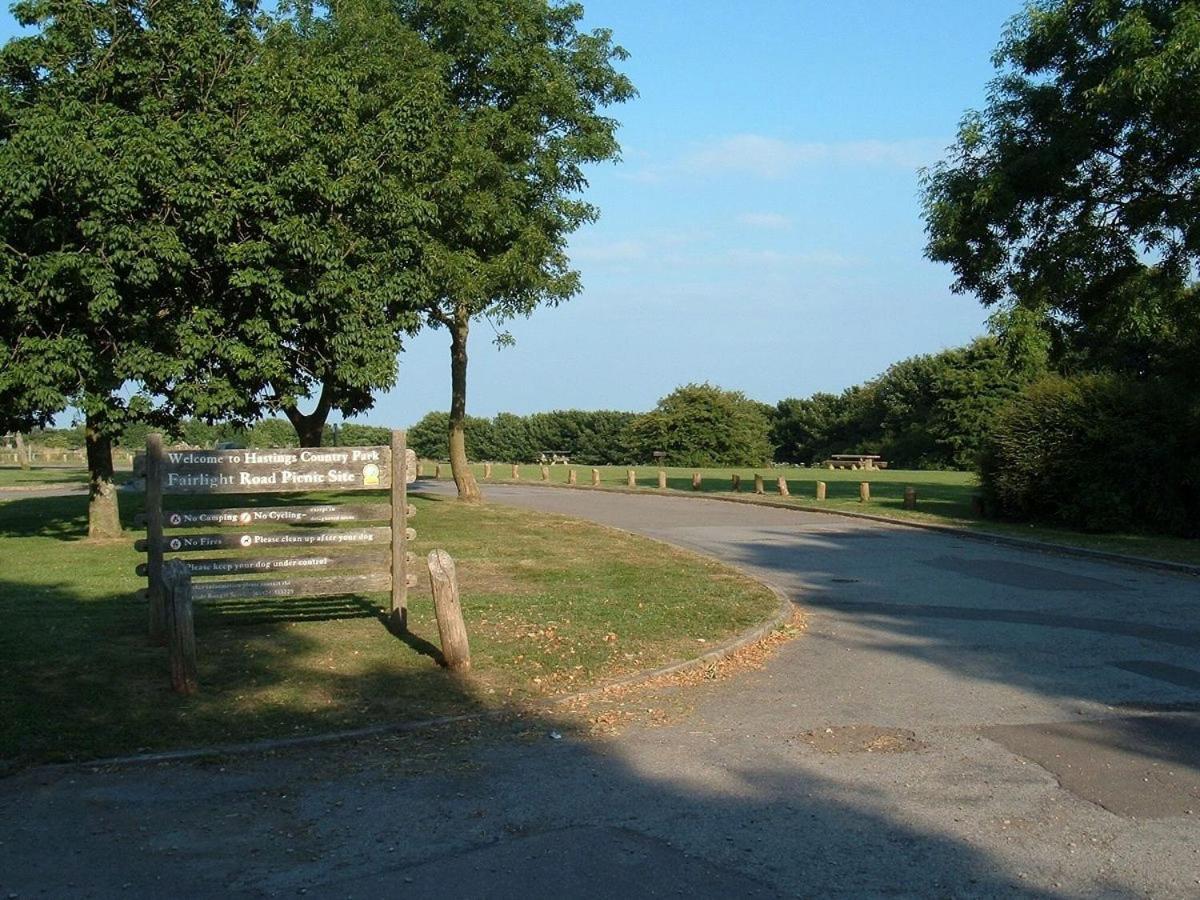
(241, 517)
(238, 565)
(292, 587)
(258, 471)
(254, 471)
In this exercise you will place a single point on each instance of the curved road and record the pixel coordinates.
(960, 719)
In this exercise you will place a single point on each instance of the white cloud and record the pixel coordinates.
(764, 220)
(610, 251)
(774, 158)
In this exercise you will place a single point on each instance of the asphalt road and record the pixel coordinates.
(960, 719)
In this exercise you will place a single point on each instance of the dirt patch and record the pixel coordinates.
(860, 739)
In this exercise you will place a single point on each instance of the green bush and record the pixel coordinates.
(1096, 452)
(702, 425)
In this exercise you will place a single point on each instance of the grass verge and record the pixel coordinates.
(942, 498)
(552, 606)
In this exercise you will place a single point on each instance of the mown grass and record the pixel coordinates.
(14, 476)
(942, 498)
(551, 605)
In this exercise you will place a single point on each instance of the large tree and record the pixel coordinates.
(108, 112)
(703, 425)
(1075, 193)
(526, 87)
(319, 268)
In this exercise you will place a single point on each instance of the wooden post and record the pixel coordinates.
(820, 490)
(22, 452)
(399, 530)
(783, 487)
(181, 632)
(487, 470)
(631, 478)
(154, 538)
(662, 480)
(444, 581)
(737, 482)
(977, 507)
(695, 481)
(595, 478)
(864, 491)
(910, 497)
(437, 471)
(516, 472)
(572, 478)
(758, 484)
(545, 473)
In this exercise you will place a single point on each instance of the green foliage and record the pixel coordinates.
(591, 438)
(320, 268)
(1099, 453)
(113, 116)
(925, 412)
(702, 425)
(1074, 192)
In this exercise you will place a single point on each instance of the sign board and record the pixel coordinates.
(281, 528)
(299, 469)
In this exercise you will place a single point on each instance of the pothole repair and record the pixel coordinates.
(860, 739)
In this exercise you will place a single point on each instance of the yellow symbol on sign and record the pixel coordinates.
(371, 474)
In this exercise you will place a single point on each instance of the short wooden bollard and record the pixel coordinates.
(977, 507)
(736, 481)
(437, 471)
(572, 478)
(910, 498)
(516, 473)
(758, 484)
(456, 652)
(487, 470)
(864, 492)
(595, 478)
(820, 490)
(631, 478)
(545, 473)
(695, 481)
(783, 487)
(662, 480)
(420, 469)
(181, 632)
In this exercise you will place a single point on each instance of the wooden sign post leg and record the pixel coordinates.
(399, 531)
(154, 539)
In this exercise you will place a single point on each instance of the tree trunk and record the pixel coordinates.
(104, 519)
(22, 452)
(311, 427)
(464, 479)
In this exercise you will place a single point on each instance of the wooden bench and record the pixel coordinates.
(855, 461)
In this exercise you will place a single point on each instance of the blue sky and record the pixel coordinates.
(762, 231)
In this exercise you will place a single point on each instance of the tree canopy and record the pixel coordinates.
(703, 425)
(112, 114)
(1075, 192)
(526, 88)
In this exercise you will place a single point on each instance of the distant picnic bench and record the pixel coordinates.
(550, 457)
(855, 461)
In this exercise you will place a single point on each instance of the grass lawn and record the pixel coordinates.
(14, 476)
(942, 498)
(551, 606)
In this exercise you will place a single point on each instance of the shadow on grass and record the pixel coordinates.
(79, 678)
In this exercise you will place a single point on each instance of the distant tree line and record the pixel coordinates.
(924, 412)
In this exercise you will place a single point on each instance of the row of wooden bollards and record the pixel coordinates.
(864, 488)
(181, 630)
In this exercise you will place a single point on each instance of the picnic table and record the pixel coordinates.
(855, 461)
